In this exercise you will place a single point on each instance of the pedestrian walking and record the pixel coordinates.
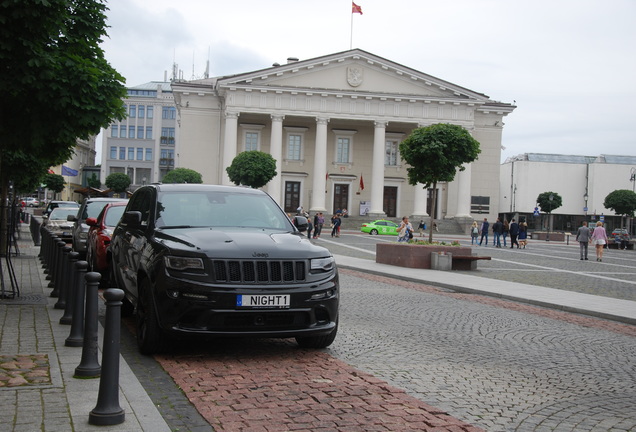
(497, 230)
(485, 225)
(599, 238)
(514, 232)
(506, 231)
(405, 230)
(421, 227)
(583, 237)
(474, 233)
(523, 235)
(335, 223)
(310, 227)
(319, 221)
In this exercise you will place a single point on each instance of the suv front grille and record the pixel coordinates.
(234, 271)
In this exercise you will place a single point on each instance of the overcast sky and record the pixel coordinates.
(569, 66)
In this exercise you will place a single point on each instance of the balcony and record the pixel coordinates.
(167, 140)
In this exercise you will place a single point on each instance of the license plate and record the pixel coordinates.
(262, 301)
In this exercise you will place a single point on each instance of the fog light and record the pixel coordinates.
(173, 294)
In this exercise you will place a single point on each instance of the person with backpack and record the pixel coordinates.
(485, 226)
(474, 233)
(497, 230)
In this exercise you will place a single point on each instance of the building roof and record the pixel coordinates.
(152, 85)
(573, 159)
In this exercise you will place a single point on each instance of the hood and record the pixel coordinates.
(243, 243)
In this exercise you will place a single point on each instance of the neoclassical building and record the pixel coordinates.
(333, 124)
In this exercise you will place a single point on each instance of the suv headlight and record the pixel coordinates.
(182, 263)
(322, 264)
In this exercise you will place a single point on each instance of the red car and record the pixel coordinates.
(99, 234)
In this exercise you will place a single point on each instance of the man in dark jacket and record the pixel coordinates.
(514, 232)
(497, 230)
(485, 225)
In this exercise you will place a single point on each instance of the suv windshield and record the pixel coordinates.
(219, 209)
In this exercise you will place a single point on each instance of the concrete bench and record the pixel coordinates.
(467, 262)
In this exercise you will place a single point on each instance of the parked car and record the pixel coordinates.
(30, 202)
(202, 260)
(99, 235)
(90, 208)
(380, 227)
(57, 222)
(55, 204)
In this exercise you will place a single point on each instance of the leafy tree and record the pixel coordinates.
(622, 201)
(55, 182)
(93, 181)
(55, 83)
(182, 175)
(118, 182)
(435, 153)
(549, 201)
(252, 168)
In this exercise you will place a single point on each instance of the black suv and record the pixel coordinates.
(221, 261)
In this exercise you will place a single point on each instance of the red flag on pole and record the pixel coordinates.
(355, 8)
(361, 182)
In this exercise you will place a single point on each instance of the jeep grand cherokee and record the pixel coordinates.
(221, 261)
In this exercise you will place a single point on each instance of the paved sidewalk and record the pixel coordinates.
(37, 388)
(587, 304)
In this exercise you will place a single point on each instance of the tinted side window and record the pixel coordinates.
(141, 202)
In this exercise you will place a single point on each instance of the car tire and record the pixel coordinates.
(373, 232)
(316, 342)
(150, 338)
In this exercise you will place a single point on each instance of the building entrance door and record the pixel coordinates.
(292, 196)
(389, 206)
(340, 197)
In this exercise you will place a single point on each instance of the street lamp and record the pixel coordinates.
(547, 237)
(632, 178)
(585, 197)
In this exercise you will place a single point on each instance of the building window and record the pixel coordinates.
(251, 141)
(113, 152)
(167, 158)
(140, 153)
(131, 153)
(150, 111)
(343, 150)
(133, 111)
(122, 131)
(126, 109)
(148, 132)
(293, 146)
(169, 113)
(114, 131)
(141, 111)
(167, 135)
(140, 132)
(122, 153)
(131, 132)
(148, 154)
(391, 153)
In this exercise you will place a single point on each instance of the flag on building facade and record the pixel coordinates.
(355, 8)
(66, 171)
(361, 182)
(51, 171)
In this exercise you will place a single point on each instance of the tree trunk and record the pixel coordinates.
(433, 209)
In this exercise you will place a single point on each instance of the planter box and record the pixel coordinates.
(543, 235)
(413, 256)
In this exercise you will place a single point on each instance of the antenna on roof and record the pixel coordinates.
(206, 74)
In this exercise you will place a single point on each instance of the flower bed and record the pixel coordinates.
(414, 255)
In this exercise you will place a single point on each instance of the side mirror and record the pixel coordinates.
(91, 221)
(301, 223)
(71, 218)
(132, 219)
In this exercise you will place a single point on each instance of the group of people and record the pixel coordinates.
(518, 233)
(596, 236)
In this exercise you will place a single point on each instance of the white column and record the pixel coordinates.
(420, 199)
(320, 167)
(229, 144)
(463, 192)
(377, 169)
(276, 150)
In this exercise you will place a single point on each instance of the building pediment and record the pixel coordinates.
(354, 72)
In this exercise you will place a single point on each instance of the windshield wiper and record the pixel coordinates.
(174, 227)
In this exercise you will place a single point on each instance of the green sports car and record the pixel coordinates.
(380, 227)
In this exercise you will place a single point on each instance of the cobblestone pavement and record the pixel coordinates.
(499, 365)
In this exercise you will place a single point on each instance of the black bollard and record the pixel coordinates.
(89, 366)
(107, 411)
(69, 292)
(57, 265)
(62, 281)
(50, 255)
(76, 337)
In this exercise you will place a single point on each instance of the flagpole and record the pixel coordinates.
(351, 33)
